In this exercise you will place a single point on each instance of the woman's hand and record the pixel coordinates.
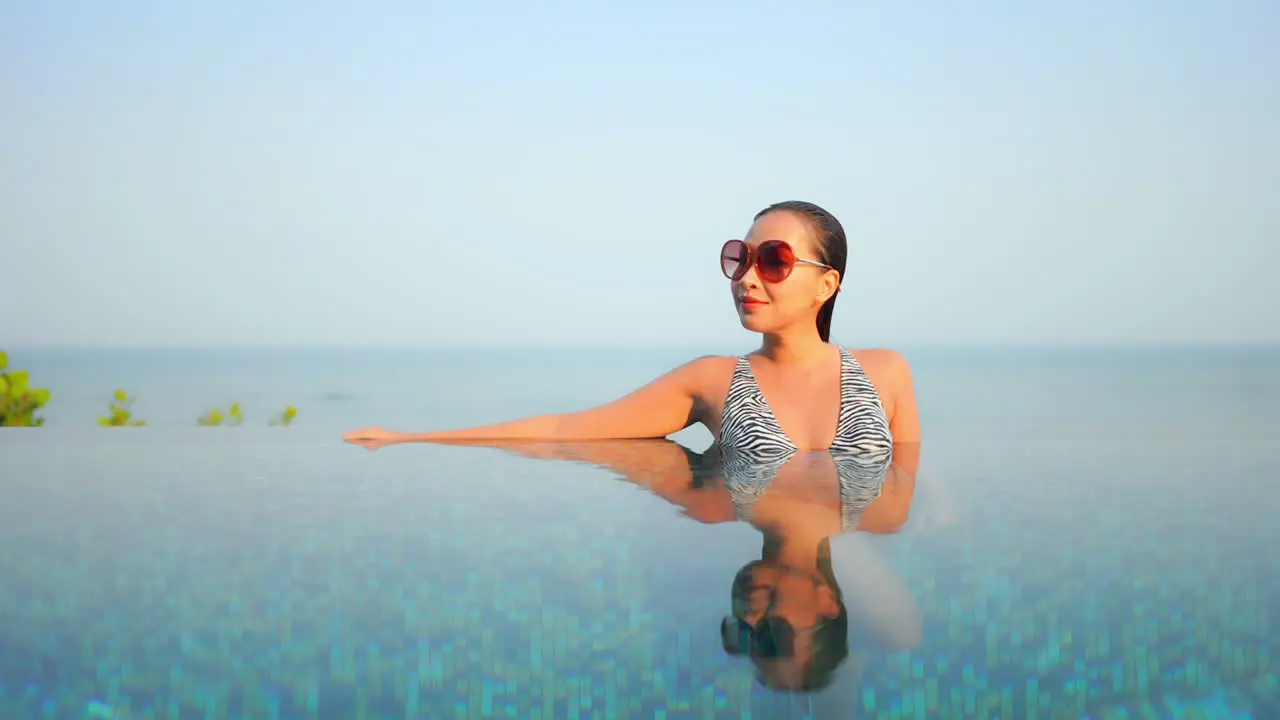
(374, 437)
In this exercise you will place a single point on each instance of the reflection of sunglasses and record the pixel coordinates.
(770, 638)
(773, 259)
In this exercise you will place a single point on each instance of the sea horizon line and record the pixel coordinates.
(683, 346)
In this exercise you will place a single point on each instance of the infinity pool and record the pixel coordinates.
(239, 572)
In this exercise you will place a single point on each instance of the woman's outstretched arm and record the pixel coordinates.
(666, 405)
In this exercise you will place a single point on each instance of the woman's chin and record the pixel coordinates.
(753, 322)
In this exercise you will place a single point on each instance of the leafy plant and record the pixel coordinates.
(19, 402)
(286, 417)
(121, 414)
(215, 417)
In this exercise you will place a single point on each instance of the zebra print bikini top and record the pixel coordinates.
(748, 424)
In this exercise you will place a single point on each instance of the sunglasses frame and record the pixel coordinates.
(754, 256)
(771, 638)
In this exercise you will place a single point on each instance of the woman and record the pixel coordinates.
(797, 392)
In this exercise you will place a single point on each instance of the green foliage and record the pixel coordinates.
(215, 417)
(235, 416)
(19, 402)
(286, 417)
(121, 414)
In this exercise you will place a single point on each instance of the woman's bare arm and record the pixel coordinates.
(664, 406)
(904, 416)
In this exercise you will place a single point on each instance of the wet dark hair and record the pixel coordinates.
(832, 247)
(830, 638)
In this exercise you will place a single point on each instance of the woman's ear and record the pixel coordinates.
(829, 286)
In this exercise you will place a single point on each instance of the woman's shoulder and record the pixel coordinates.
(708, 376)
(697, 374)
(711, 371)
(885, 359)
(888, 369)
(712, 363)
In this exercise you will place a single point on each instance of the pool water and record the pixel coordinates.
(1047, 568)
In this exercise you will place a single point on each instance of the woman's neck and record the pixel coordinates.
(796, 550)
(797, 346)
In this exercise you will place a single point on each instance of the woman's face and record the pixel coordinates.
(769, 306)
(783, 606)
(771, 590)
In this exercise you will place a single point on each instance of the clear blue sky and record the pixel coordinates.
(564, 172)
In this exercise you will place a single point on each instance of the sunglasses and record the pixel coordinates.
(773, 259)
(769, 639)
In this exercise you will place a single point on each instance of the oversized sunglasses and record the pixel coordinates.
(771, 638)
(773, 259)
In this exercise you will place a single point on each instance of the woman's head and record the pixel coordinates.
(788, 268)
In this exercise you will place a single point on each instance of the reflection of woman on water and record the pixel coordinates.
(794, 610)
(790, 613)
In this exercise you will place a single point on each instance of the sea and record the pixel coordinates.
(1091, 533)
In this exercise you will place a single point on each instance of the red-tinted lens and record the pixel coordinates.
(735, 257)
(775, 261)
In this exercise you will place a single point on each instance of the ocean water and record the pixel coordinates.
(1091, 533)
